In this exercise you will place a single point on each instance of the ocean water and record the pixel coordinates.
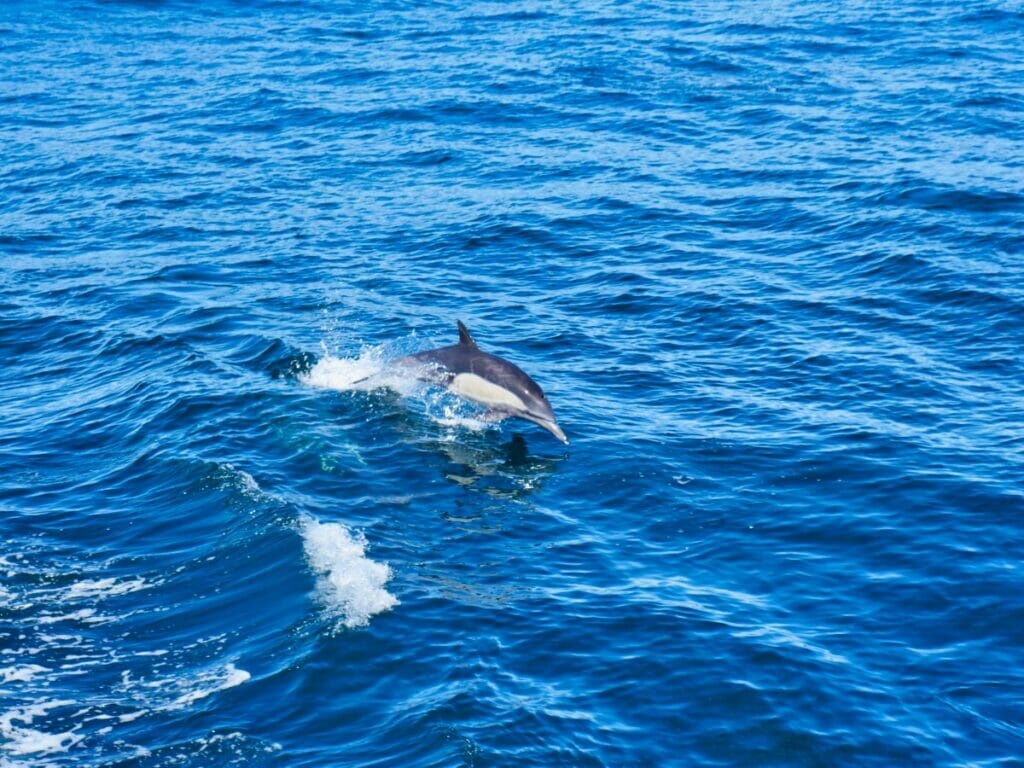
(766, 259)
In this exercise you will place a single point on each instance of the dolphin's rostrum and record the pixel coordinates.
(486, 380)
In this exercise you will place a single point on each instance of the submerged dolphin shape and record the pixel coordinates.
(486, 380)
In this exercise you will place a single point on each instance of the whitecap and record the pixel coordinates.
(233, 478)
(207, 683)
(350, 585)
(249, 485)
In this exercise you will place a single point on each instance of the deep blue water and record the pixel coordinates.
(766, 259)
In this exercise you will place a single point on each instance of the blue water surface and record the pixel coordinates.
(766, 259)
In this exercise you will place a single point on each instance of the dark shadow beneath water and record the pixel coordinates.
(506, 470)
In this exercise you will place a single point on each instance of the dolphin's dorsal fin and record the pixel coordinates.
(465, 339)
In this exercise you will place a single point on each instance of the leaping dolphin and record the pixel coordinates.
(485, 379)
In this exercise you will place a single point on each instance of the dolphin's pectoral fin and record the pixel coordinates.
(494, 417)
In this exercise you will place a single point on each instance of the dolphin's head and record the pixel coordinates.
(538, 410)
(491, 381)
(517, 394)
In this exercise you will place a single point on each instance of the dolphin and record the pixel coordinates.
(465, 370)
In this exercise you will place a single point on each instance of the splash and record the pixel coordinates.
(350, 585)
(369, 371)
(456, 416)
(372, 370)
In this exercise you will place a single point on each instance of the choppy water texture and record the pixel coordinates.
(766, 261)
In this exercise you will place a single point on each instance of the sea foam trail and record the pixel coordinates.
(350, 585)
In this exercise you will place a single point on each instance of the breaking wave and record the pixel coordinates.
(349, 584)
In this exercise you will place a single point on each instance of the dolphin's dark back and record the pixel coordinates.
(461, 358)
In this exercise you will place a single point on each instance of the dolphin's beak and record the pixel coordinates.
(548, 424)
(555, 430)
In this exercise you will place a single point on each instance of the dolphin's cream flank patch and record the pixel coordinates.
(480, 390)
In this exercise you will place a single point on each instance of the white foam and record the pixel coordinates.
(21, 740)
(367, 372)
(344, 373)
(85, 615)
(36, 730)
(103, 588)
(350, 585)
(21, 674)
(207, 683)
